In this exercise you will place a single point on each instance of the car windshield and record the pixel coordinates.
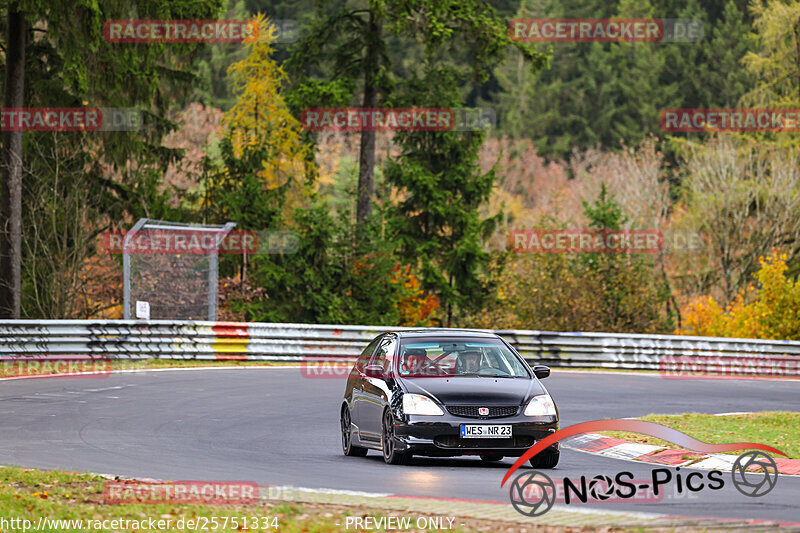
(448, 357)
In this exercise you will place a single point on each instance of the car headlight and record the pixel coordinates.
(541, 405)
(418, 404)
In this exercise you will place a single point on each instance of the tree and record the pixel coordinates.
(67, 64)
(743, 195)
(60, 203)
(521, 99)
(777, 61)
(768, 310)
(585, 292)
(259, 126)
(256, 180)
(597, 94)
(212, 63)
(346, 52)
(708, 73)
(572, 102)
(627, 287)
(437, 221)
(726, 83)
(640, 90)
(11, 161)
(346, 46)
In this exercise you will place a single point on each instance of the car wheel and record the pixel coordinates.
(390, 453)
(545, 459)
(490, 457)
(347, 437)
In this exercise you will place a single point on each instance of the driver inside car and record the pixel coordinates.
(414, 362)
(470, 361)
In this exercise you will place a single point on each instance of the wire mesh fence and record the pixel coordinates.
(173, 267)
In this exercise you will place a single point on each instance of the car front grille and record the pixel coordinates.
(471, 411)
(454, 441)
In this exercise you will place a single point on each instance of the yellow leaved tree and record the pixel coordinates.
(260, 124)
(771, 311)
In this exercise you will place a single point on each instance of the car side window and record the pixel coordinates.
(366, 355)
(384, 356)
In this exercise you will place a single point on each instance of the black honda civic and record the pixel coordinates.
(444, 393)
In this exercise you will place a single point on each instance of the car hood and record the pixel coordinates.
(476, 390)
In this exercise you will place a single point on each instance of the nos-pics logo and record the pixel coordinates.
(533, 493)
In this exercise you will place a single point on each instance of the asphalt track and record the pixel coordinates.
(276, 427)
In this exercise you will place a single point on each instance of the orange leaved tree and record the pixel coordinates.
(770, 310)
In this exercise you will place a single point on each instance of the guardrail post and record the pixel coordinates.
(126, 269)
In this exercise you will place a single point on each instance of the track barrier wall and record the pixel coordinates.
(673, 356)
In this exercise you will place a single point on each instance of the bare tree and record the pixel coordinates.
(745, 195)
(61, 228)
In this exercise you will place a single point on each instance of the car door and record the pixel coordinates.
(355, 382)
(376, 391)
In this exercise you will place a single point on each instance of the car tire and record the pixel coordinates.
(490, 457)
(388, 445)
(347, 436)
(546, 459)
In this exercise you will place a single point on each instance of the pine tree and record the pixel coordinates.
(437, 222)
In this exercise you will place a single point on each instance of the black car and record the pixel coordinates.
(444, 393)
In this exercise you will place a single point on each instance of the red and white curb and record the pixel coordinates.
(623, 449)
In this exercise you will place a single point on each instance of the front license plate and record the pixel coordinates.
(494, 431)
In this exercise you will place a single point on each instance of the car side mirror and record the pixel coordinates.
(373, 371)
(541, 371)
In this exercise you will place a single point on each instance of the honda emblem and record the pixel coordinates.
(483, 411)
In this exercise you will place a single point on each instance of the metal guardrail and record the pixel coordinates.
(131, 339)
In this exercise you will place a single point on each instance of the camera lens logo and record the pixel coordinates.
(532, 493)
(601, 487)
(759, 482)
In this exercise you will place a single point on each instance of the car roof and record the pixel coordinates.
(445, 332)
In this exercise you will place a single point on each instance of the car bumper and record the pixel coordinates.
(441, 435)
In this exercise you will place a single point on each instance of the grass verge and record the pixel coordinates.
(27, 494)
(779, 429)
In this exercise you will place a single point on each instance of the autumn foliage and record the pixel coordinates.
(435, 250)
(768, 310)
(416, 305)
